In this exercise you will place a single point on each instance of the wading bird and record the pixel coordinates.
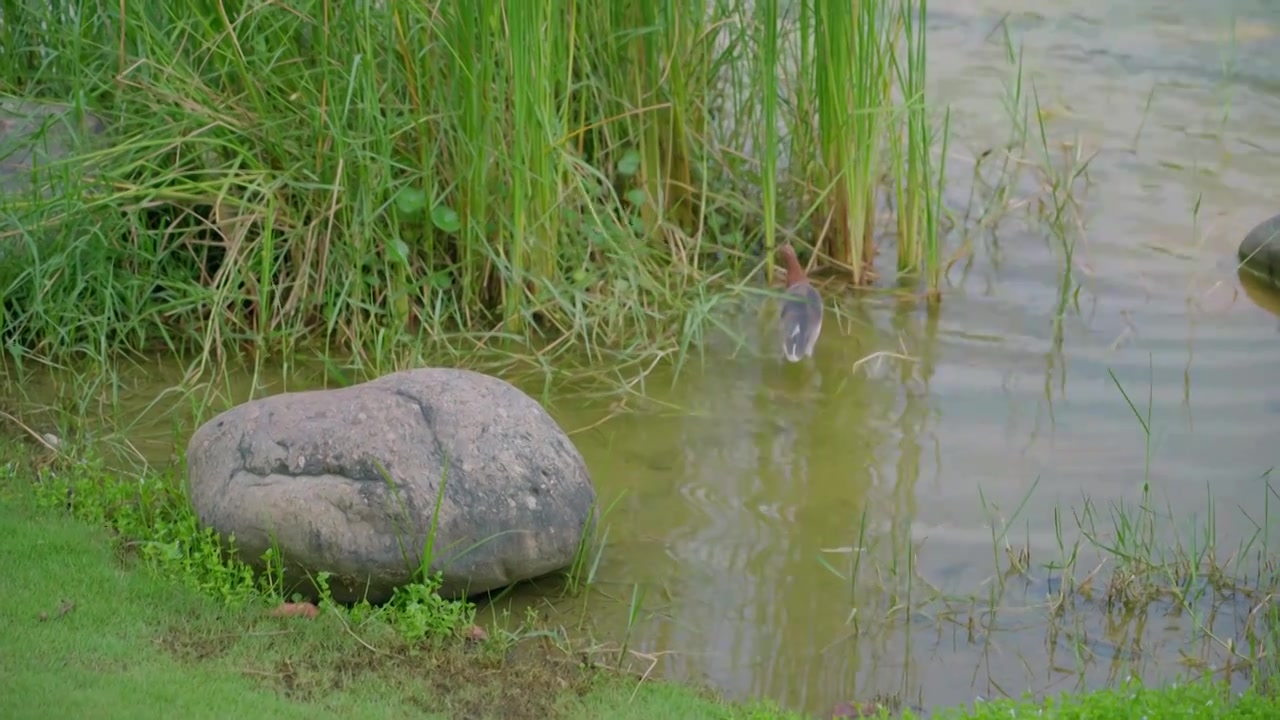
(801, 310)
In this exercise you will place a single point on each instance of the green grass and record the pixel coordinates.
(1191, 701)
(571, 178)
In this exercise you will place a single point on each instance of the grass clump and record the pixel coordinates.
(1203, 699)
(571, 175)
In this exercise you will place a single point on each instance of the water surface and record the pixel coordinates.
(730, 505)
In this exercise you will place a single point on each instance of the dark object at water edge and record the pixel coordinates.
(1260, 250)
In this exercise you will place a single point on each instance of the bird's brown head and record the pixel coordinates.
(795, 273)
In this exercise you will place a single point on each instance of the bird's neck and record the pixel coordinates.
(795, 273)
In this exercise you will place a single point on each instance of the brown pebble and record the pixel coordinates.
(302, 609)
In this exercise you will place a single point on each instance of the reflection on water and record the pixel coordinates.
(747, 488)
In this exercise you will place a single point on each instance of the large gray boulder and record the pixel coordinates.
(37, 134)
(1260, 250)
(300, 472)
(42, 145)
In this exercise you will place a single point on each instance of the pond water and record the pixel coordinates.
(733, 503)
(741, 486)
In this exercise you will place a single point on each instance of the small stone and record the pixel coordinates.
(852, 710)
(302, 609)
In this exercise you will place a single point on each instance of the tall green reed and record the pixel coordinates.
(860, 115)
(567, 175)
(852, 89)
(918, 186)
(767, 138)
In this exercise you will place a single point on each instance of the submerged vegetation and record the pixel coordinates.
(581, 175)
(1124, 578)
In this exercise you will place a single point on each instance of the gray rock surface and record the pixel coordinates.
(301, 470)
(34, 134)
(35, 140)
(1260, 250)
